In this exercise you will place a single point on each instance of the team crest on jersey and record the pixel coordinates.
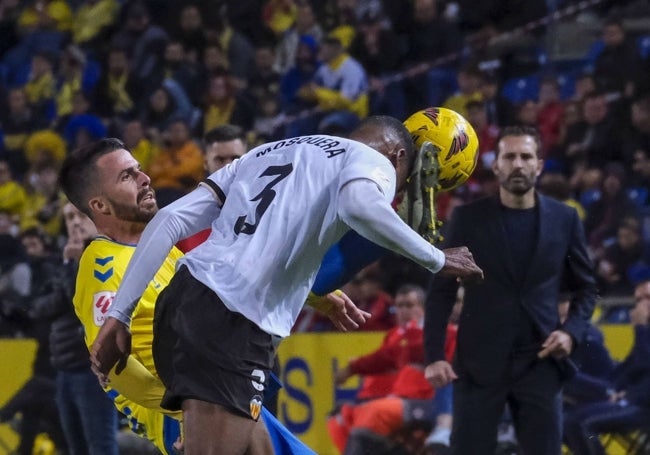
(255, 406)
(101, 303)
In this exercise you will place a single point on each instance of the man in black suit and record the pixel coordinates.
(512, 347)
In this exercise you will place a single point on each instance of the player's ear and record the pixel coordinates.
(98, 205)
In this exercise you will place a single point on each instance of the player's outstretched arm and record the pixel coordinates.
(338, 307)
(459, 262)
(111, 348)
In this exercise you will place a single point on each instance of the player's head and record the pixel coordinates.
(223, 145)
(104, 180)
(389, 137)
(517, 164)
(409, 303)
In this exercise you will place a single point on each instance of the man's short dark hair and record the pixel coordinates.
(397, 128)
(78, 173)
(520, 130)
(224, 133)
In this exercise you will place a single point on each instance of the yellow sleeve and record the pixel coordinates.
(138, 385)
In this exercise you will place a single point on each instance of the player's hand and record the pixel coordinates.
(459, 262)
(111, 347)
(559, 344)
(439, 374)
(343, 313)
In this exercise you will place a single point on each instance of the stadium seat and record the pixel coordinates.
(520, 89)
(638, 195)
(643, 43)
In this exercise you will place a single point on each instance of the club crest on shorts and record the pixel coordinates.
(255, 406)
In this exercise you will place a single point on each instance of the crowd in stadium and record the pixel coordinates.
(162, 74)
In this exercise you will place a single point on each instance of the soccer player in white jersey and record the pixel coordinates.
(274, 213)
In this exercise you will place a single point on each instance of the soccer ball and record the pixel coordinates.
(453, 136)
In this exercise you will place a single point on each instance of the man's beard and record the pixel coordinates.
(519, 187)
(137, 213)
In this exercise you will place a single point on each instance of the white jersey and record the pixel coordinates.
(274, 213)
(279, 217)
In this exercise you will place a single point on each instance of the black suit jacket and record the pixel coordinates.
(487, 326)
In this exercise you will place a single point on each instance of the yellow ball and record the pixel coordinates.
(453, 135)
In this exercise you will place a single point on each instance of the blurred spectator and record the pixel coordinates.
(191, 33)
(44, 199)
(175, 66)
(469, 80)
(265, 81)
(222, 104)
(378, 380)
(118, 91)
(279, 15)
(237, 48)
(557, 185)
(178, 167)
(619, 52)
(499, 108)
(72, 78)
(287, 47)
(641, 172)
(367, 292)
(625, 250)
(93, 21)
(595, 140)
(526, 114)
(35, 401)
(44, 145)
(429, 37)
(9, 11)
(340, 89)
(143, 150)
(571, 115)
(13, 199)
(43, 27)
(41, 86)
(604, 214)
(166, 104)
(549, 114)
(17, 124)
(269, 122)
(585, 84)
(487, 133)
(625, 405)
(638, 138)
(379, 51)
(299, 75)
(84, 128)
(88, 416)
(144, 41)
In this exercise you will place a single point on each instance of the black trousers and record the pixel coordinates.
(533, 392)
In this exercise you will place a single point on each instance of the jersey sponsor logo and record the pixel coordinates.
(255, 406)
(258, 378)
(101, 303)
(103, 268)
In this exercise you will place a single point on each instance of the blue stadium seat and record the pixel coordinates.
(520, 89)
(643, 44)
(638, 195)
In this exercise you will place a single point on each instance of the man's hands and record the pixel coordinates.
(439, 374)
(559, 344)
(112, 346)
(459, 262)
(338, 307)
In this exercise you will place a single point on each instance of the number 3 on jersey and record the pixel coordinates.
(265, 197)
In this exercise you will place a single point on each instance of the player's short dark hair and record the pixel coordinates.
(78, 175)
(396, 127)
(224, 133)
(520, 130)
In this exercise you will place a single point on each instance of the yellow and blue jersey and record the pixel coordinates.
(101, 270)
